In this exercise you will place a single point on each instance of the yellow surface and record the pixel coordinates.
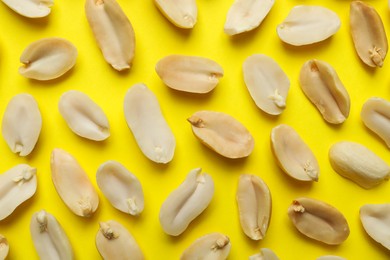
(156, 37)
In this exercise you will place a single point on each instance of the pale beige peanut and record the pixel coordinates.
(22, 124)
(121, 187)
(368, 34)
(181, 13)
(222, 133)
(267, 83)
(375, 114)
(356, 162)
(319, 221)
(246, 15)
(308, 24)
(114, 241)
(254, 206)
(375, 219)
(49, 238)
(48, 58)
(265, 254)
(17, 185)
(150, 129)
(113, 32)
(30, 8)
(213, 246)
(83, 116)
(323, 87)
(186, 202)
(4, 247)
(330, 257)
(191, 74)
(72, 184)
(293, 155)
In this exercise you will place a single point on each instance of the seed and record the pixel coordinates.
(222, 133)
(72, 184)
(375, 219)
(359, 164)
(113, 32)
(48, 58)
(17, 185)
(254, 206)
(265, 254)
(307, 24)
(182, 13)
(294, 156)
(368, 34)
(268, 85)
(49, 238)
(214, 246)
(330, 257)
(322, 86)
(113, 241)
(189, 73)
(30, 8)
(22, 123)
(4, 247)
(146, 122)
(186, 202)
(375, 115)
(319, 221)
(246, 15)
(121, 187)
(83, 116)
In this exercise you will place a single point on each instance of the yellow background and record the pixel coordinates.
(156, 37)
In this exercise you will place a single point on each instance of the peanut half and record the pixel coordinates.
(322, 86)
(294, 156)
(254, 206)
(319, 221)
(113, 241)
(49, 238)
(83, 116)
(222, 133)
(4, 247)
(148, 125)
(368, 34)
(182, 13)
(72, 184)
(22, 124)
(121, 187)
(113, 32)
(265, 254)
(186, 202)
(189, 73)
(17, 185)
(48, 58)
(268, 85)
(213, 246)
(375, 219)
(246, 15)
(330, 257)
(359, 164)
(375, 115)
(308, 24)
(30, 8)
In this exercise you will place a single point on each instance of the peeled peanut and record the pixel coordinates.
(4, 247)
(72, 184)
(254, 206)
(359, 164)
(182, 13)
(214, 246)
(113, 32)
(30, 8)
(49, 237)
(48, 58)
(186, 202)
(265, 254)
(319, 221)
(222, 133)
(330, 257)
(22, 123)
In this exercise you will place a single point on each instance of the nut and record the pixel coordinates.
(214, 246)
(182, 13)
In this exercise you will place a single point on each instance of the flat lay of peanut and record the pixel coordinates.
(193, 129)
